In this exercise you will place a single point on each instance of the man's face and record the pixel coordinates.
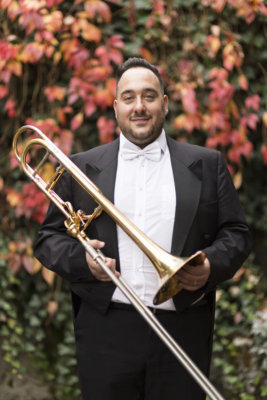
(140, 106)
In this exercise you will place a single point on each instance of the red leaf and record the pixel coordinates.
(253, 102)
(111, 86)
(236, 152)
(64, 140)
(212, 44)
(218, 74)
(115, 56)
(217, 5)
(76, 121)
(55, 93)
(221, 138)
(232, 55)
(31, 20)
(107, 54)
(78, 58)
(116, 41)
(222, 91)
(51, 3)
(90, 32)
(72, 98)
(13, 197)
(89, 107)
(10, 108)
(187, 122)
(33, 203)
(32, 52)
(189, 99)
(28, 263)
(250, 120)
(103, 54)
(94, 7)
(103, 98)
(243, 82)
(53, 22)
(145, 53)
(7, 50)
(15, 67)
(106, 128)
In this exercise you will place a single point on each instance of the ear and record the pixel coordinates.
(166, 104)
(115, 107)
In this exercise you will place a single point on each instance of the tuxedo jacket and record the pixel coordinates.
(208, 217)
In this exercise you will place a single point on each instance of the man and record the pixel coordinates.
(182, 197)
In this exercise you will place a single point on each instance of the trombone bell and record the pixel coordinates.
(169, 283)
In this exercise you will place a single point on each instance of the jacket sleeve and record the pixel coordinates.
(57, 250)
(232, 242)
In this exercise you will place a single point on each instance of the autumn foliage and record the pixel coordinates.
(58, 63)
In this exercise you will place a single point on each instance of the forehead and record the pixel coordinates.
(137, 79)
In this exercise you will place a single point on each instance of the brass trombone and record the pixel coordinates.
(76, 223)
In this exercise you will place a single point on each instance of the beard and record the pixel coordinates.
(148, 135)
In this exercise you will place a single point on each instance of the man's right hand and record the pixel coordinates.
(95, 268)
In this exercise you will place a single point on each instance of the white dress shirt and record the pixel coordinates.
(145, 194)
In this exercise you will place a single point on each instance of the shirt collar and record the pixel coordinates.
(162, 141)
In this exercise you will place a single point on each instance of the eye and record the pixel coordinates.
(149, 96)
(128, 98)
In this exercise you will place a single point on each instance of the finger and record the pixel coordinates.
(98, 271)
(191, 288)
(186, 277)
(193, 270)
(96, 244)
(191, 282)
(94, 267)
(111, 263)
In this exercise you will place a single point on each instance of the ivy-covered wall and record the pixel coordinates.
(58, 62)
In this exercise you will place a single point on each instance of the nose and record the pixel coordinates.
(139, 105)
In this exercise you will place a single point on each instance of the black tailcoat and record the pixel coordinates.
(208, 217)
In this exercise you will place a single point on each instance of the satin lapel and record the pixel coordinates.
(103, 174)
(188, 188)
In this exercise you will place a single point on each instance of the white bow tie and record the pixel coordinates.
(151, 152)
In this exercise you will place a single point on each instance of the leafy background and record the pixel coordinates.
(58, 61)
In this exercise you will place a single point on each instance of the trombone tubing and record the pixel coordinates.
(143, 310)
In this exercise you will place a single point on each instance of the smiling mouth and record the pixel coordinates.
(140, 119)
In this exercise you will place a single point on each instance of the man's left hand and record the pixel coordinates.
(194, 277)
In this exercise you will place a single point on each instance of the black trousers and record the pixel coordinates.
(121, 358)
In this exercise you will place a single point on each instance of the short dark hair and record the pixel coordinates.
(135, 62)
